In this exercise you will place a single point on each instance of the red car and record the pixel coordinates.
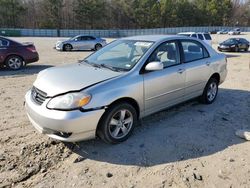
(15, 55)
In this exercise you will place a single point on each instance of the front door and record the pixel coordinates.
(165, 87)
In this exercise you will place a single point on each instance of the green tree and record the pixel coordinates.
(10, 11)
(52, 10)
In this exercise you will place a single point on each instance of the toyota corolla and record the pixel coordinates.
(109, 91)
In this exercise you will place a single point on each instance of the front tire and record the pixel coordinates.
(98, 47)
(14, 62)
(246, 49)
(210, 92)
(117, 123)
(67, 47)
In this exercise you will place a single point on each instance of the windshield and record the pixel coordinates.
(120, 55)
(230, 41)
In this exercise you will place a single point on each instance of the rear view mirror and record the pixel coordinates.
(154, 66)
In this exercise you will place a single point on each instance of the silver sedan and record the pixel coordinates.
(108, 92)
(81, 42)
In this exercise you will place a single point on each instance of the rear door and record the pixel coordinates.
(197, 65)
(164, 87)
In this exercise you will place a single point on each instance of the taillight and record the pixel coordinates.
(31, 48)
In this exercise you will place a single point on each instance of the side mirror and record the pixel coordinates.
(154, 66)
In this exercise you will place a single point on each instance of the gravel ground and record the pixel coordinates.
(190, 145)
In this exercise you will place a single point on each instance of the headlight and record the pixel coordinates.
(232, 46)
(70, 101)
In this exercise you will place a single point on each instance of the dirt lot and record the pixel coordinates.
(191, 145)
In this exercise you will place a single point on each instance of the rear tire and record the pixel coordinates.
(98, 47)
(210, 92)
(246, 49)
(67, 47)
(14, 62)
(117, 123)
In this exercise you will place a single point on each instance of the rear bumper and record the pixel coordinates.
(75, 125)
(34, 57)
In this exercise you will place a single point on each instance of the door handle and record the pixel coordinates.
(180, 71)
(208, 63)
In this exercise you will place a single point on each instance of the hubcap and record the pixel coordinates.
(212, 91)
(120, 124)
(98, 47)
(67, 47)
(15, 63)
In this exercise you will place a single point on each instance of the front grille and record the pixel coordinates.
(38, 96)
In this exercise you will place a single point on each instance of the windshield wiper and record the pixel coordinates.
(90, 63)
(116, 69)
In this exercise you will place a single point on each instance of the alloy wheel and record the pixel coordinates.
(120, 124)
(14, 63)
(212, 91)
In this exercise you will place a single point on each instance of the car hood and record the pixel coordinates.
(62, 79)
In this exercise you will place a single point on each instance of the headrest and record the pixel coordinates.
(194, 48)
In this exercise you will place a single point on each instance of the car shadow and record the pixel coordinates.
(28, 70)
(77, 51)
(231, 56)
(189, 130)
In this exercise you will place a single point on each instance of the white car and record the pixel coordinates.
(81, 42)
(234, 31)
(223, 31)
(202, 36)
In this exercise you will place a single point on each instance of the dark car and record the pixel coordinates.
(15, 55)
(234, 45)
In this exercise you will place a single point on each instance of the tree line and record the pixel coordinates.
(122, 14)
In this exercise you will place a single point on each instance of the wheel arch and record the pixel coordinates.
(67, 44)
(128, 100)
(9, 55)
(216, 76)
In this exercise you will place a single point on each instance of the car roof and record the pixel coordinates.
(85, 36)
(186, 33)
(190, 33)
(155, 38)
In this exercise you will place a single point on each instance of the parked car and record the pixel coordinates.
(81, 42)
(15, 55)
(202, 36)
(234, 31)
(214, 31)
(130, 78)
(234, 44)
(223, 31)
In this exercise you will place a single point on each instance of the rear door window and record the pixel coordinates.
(200, 36)
(193, 50)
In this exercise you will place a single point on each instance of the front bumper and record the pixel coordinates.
(76, 125)
(59, 46)
(226, 48)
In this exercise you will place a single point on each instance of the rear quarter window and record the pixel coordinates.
(207, 36)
